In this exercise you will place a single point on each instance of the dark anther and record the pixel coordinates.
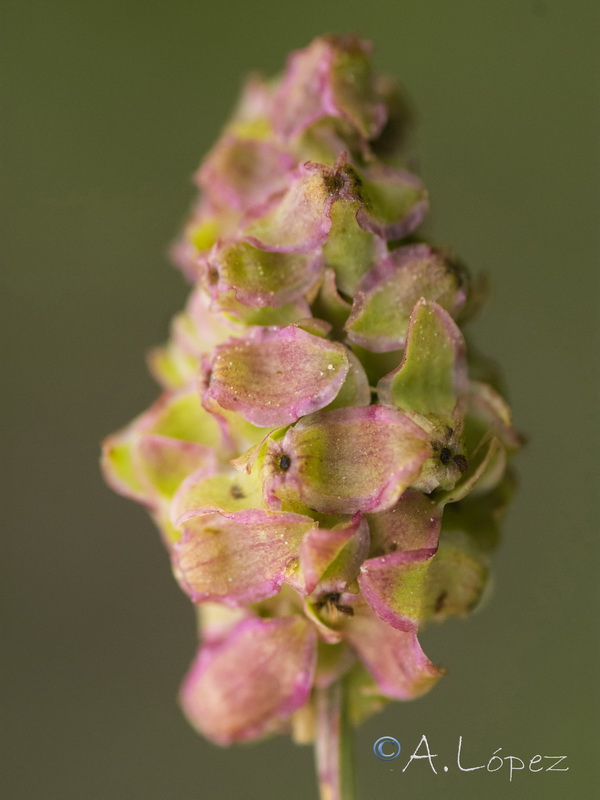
(461, 463)
(328, 599)
(213, 276)
(441, 601)
(284, 463)
(445, 455)
(333, 183)
(331, 601)
(356, 181)
(236, 492)
(353, 179)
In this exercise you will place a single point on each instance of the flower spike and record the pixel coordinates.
(327, 472)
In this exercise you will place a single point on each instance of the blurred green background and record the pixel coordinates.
(107, 109)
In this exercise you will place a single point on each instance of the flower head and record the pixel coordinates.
(326, 469)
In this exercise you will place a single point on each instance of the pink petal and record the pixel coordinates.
(246, 686)
(273, 376)
(299, 220)
(412, 524)
(301, 98)
(207, 326)
(331, 78)
(255, 103)
(394, 658)
(240, 557)
(243, 173)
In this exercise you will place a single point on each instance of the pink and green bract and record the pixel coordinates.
(327, 462)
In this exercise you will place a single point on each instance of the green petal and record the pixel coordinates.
(394, 202)
(148, 459)
(288, 314)
(350, 459)
(259, 278)
(163, 463)
(352, 86)
(330, 305)
(119, 469)
(486, 409)
(433, 372)
(331, 558)
(355, 390)
(406, 589)
(488, 453)
(226, 491)
(349, 250)
(181, 416)
(172, 367)
(386, 296)
(481, 514)
(456, 579)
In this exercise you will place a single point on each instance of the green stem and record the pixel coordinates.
(333, 745)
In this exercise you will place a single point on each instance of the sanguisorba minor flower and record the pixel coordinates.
(327, 463)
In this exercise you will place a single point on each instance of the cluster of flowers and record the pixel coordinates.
(327, 464)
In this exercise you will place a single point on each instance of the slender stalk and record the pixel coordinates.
(333, 745)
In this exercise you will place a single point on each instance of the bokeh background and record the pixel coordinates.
(107, 109)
